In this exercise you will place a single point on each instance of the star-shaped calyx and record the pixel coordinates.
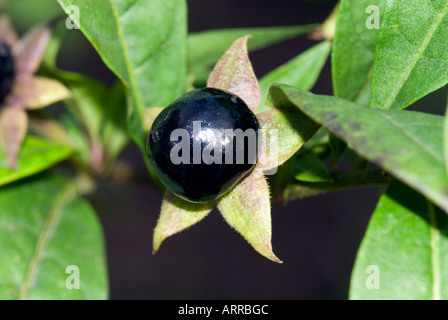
(26, 91)
(247, 207)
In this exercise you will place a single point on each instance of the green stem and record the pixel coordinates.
(361, 164)
(341, 181)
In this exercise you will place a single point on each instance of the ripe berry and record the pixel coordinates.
(195, 147)
(7, 71)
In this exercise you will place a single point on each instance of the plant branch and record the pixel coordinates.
(341, 181)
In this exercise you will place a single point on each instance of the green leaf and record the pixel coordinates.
(177, 215)
(205, 48)
(404, 254)
(354, 49)
(101, 112)
(45, 228)
(338, 147)
(77, 137)
(353, 55)
(113, 132)
(247, 209)
(407, 144)
(29, 13)
(145, 44)
(36, 155)
(301, 72)
(89, 101)
(412, 57)
(310, 168)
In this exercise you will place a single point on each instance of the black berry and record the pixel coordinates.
(7, 71)
(216, 146)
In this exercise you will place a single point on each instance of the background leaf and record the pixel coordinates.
(51, 229)
(301, 72)
(409, 145)
(100, 110)
(36, 155)
(337, 147)
(113, 131)
(206, 47)
(310, 168)
(354, 50)
(145, 43)
(407, 240)
(412, 57)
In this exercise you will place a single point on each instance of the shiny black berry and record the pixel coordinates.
(7, 71)
(203, 143)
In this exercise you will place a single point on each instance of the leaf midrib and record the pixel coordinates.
(416, 58)
(408, 134)
(128, 63)
(45, 238)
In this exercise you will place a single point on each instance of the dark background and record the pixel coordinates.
(317, 238)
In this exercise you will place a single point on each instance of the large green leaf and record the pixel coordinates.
(36, 155)
(411, 57)
(354, 49)
(45, 228)
(408, 144)
(404, 254)
(205, 48)
(145, 43)
(301, 72)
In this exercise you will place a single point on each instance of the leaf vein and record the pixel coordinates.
(417, 56)
(45, 238)
(130, 72)
(412, 137)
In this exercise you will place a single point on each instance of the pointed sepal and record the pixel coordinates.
(177, 215)
(7, 33)
(234, 73)
(38, 92)
(30, 50)
(13, 128)
(247, 209)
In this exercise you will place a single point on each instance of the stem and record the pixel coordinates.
(341, 181)
(361, 164)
